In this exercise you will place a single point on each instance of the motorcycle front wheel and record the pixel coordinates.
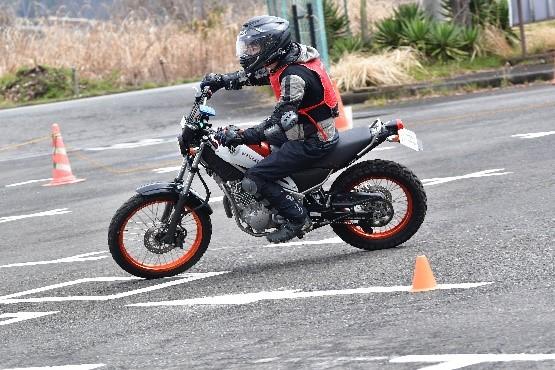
(136, 231)
(391, 223)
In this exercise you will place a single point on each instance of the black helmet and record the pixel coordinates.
(262, 41)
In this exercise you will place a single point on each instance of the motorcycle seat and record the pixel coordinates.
(350, 143)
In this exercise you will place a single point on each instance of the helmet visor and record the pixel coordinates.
(246, 48)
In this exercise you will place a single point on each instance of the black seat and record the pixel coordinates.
(350, 143)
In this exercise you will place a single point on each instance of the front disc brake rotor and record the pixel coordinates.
(153, 240)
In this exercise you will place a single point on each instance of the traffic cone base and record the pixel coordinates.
(61, 172)
(344, 121)
(423, 278)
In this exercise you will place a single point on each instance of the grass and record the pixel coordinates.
(59, 90)
(433, 71)
(355, 71)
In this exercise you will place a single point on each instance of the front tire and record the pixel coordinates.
(405, 192)
(134, 233)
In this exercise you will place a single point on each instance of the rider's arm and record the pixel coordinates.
(272, 128)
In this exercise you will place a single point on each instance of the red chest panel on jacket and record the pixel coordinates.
(314, 65)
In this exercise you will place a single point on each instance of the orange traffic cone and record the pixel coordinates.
(61, 173)
(423, 277)
(345, 120)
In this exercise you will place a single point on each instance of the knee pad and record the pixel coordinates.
(249, 186)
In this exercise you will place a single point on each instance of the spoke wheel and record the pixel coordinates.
(400, 198)
(390, 222)
(136, 237)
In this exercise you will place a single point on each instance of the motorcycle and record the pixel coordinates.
(165, 228)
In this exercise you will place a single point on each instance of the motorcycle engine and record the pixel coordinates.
(251, 211)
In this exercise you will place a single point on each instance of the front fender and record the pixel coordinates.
(172, 188)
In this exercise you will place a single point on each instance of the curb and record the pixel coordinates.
(513, 75)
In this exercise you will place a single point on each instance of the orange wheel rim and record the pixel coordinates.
(134, 229)
(400, 197)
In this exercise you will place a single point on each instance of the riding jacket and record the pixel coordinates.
(302, 86)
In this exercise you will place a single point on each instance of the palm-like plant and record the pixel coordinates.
(469, 37)
(445, 43)
(388, 33)
(415, 33)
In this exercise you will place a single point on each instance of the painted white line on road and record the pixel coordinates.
(334, 240)
(27, 182)
(166, 169)
(216, 199)
(22, 316)
(92, 256)
(63, 367)
(53, 212)
(14, 298)
(458, 361)
(485, 173)
(384, 148)
(533, 135)
(131, 145)
(246, 298)
(333, 361)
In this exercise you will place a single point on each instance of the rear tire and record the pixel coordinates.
(136, 223)
(402, 185)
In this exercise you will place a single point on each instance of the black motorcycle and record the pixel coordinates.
(165, 228)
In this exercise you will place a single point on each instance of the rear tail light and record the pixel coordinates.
(400, 124)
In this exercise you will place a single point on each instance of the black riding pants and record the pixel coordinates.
(292, 156)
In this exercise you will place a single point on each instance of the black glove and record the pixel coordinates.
(214, 81)
(229, 136)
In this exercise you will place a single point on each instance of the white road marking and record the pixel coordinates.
(246, 298)
(384, 148)
(533, 135)
(92, 256)
(14, 298)
(458, 361)
(27, 182)
(216, 199)
(64, 367)
(166, 169)
(53, 212)
(334, 240)
(22, 316)
(131, 145)
(320, 360)
(485, 173)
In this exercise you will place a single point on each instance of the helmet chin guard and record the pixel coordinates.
(262, 41)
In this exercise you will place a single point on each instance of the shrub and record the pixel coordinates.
(470, 43)
(355, 71)
(415, 33)
(346, 45)
(388, 33)
(445, 42)
(337, 23)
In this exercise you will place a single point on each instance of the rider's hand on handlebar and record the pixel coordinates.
(214, 81)
(229, 136)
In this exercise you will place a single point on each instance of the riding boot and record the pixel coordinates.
(289, 230)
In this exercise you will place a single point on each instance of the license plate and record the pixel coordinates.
(408, 139)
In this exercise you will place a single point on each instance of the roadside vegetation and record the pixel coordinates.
(156, 43)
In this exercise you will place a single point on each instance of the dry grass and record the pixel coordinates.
(541, 37)
(493, 42)
(389, 68)
(132, 50)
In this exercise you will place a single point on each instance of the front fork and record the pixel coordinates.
(177, 215)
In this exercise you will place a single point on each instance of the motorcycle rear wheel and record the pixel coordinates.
(402, 188)
(135, 232)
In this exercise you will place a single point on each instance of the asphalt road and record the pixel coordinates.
(490, 220)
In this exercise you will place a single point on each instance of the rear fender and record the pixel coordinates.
(172, 188)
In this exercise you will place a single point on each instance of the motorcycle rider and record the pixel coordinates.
(302, 123)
